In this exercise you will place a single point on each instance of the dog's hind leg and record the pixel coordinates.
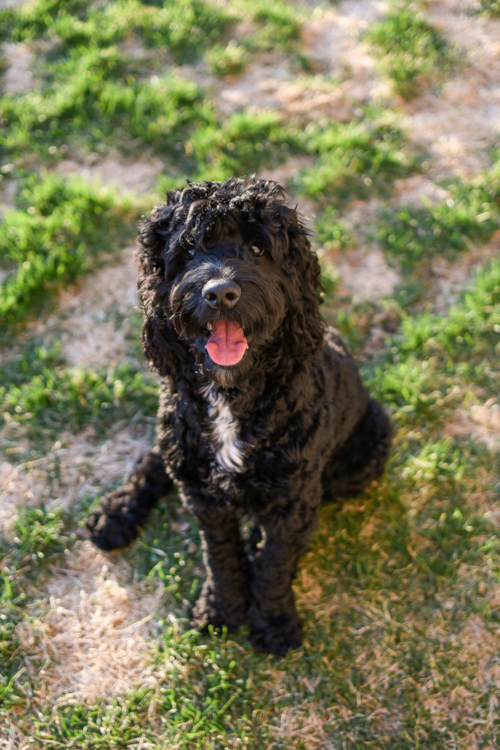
(118, 519)
(361, 458)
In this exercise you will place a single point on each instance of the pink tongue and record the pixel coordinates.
(227, 344)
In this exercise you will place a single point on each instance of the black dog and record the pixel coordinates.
(262, 411)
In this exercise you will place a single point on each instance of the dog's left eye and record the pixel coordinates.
(189, 253)
(257, 251)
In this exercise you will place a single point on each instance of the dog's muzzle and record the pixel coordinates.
(227, 344)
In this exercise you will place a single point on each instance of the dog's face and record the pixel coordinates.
(228, 300)
(228, 272)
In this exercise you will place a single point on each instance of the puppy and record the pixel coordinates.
(262, 411)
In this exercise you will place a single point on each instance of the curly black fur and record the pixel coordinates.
(272, 436)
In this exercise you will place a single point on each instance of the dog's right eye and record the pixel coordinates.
(257, 251)
(189, 253)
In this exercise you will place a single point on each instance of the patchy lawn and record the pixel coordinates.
(381, 120)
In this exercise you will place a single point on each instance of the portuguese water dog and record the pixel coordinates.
(262, 412)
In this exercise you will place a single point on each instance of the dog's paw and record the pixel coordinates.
(277, 638)
(112, 525)
(206, 612)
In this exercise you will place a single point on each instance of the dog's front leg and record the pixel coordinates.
(226, 592)
(275, 624)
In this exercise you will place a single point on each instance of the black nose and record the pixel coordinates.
(221, 294)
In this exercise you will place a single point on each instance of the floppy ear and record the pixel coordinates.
(160, 342)
(303, 326)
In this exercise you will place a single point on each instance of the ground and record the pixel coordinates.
(382, 122)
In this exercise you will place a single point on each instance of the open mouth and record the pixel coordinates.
(227, 343)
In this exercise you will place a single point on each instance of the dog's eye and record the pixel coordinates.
(189, 253)
(257, 251)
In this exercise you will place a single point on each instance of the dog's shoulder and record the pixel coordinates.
(336, 355)
(339, 370)
(335, 345)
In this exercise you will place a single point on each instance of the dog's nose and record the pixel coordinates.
(221, 294)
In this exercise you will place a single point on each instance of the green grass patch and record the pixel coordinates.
(472, 325)
(467, 341)
(435, 359)
(56, 397)
(413, 235)
(269, 28)
(412, 52)
(470, 214)
(54, 234)
(330, 230)
(354, 160)
(173, 714)
(490, 8)
(277, 25)
(91, 101)
(415, 391)
(239, 145)
(183, 28)
(227, 60)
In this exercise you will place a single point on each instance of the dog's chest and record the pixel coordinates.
(224, 432)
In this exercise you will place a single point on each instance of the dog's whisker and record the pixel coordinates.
(182, 333)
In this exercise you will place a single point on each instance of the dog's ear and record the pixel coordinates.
(160, 342)
(303, 325)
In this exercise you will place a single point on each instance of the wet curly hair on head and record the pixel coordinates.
(262, 412)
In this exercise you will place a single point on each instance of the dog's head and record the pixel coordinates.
(229, 281)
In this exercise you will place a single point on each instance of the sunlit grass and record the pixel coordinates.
(354, 159)
(52, 236)
(412, 52)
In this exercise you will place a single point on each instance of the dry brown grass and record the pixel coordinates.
(76, 467)
(89, 631)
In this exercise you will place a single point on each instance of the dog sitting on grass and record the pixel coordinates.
(262, 411)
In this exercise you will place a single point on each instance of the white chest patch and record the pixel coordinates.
(229, 449)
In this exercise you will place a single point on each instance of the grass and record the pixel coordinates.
(354, 159)
(59, 397)
(469, 214)
(39, 536)
(434, 361)
(93, 101)
(331, 232)
(399, 591)
(490, 8)
(54, 234)
(413, 236)
(413, 54)
(350, 160)
(229, 60)
(183, 28)
(92, 94)
(190, 717)
(466, 343)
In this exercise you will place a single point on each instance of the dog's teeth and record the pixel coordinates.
(209, 326)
